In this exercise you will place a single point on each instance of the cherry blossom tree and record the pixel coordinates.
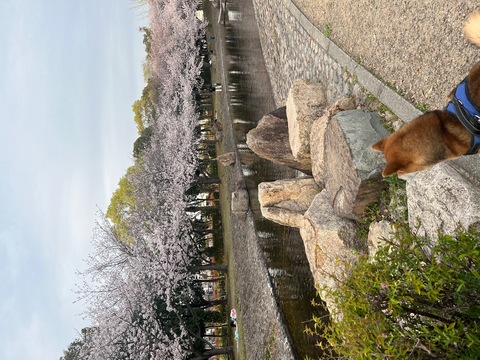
(143, 300)
(136, 298)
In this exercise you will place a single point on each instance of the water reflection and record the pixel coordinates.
(251, 98)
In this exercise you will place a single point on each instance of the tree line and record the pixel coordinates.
(141, 285)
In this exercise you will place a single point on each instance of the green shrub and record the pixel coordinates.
(413, 300)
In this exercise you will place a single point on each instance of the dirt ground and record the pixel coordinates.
(416, 46)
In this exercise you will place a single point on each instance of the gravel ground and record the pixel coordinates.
(416, 46)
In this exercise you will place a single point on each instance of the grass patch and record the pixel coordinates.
(388, 125)
(409, 303)
(371, 214)
(393, 201)
(388, 118)
(352, 78)
(269, 350)
(327, 30)
(422, 107)
(392, 206)
(396, 89)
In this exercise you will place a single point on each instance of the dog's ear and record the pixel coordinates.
(392, 168)
(379, 146)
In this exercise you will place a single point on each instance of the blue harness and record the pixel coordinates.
(465, 110)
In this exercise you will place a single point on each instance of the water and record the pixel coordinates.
(251, 98)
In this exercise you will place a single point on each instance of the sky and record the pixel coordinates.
(69, 74)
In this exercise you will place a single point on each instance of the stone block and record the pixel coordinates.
(240, 202)
(285, 201)
(317, 137)
(442, 198)
(283, 216)
(227, 159)
(328, 241)
(269, 140)
(352, 169)
(305, 103)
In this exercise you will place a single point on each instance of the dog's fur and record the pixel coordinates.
(436, 135)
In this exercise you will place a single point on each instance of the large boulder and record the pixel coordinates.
(285, 201)
(269, 140)
(352, 169)
(305, 103)
(328, 240)
(317, 137)
(442, 198)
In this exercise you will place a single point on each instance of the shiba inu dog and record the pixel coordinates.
(441, 134)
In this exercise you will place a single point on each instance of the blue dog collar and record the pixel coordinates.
(465, 110)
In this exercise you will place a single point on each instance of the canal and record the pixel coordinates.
(251, 97)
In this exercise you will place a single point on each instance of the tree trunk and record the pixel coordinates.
(217, 325)
(208, 231)
(210, 280)
(204, 304)
(207, 354)
(216, 336)
(200, 208)
(218, 267)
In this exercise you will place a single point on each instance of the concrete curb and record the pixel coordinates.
(397, 104)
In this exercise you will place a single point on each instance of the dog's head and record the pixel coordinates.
(415, 147)
(401, 159)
